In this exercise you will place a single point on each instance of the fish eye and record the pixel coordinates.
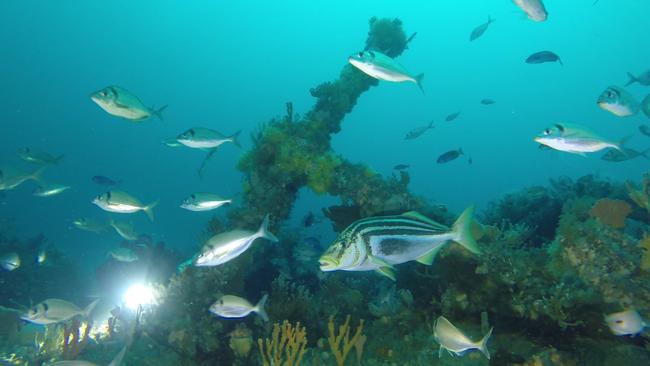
(619, 322)
(610, 94)
(360, 54)
(547, 131)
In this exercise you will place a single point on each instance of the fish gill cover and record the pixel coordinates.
(316, 235)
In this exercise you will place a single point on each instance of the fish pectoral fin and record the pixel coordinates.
(378, 261)
(387, 271)
(121, 106)
(428, 257)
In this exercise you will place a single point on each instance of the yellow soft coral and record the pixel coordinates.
(341, 344)
(286, 347)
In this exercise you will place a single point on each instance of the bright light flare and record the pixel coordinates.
(138, 295)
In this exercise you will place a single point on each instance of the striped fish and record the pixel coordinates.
(380, 243)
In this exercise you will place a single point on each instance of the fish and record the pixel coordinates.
(452, 116)
(401, 166)
(309, 219)
(627, 322)
(543, 57)
(122, 254)
(203, 201)
(449, 156)
(229, 306)
(645, 106)
(535, 9)
(125, 230)
(105, 181)
(224, 247)
(38, 157)
(487, 101)
(172, 142)
(41, 256)
(122, 202)
(12, 180)
(115, 362)
(120, 102)
(50, 190)
(89, 224)
(455, 341)
(618, 101)
(205, 138)
(478, 31)
(10, 261)
(382, 67)
(381, 242)
(643, 79)
(418, 131)
(644, 130)
(574, 139)
(469, 161)
(53, 311)
(624, 154)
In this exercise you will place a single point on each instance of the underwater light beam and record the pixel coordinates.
(138, 295)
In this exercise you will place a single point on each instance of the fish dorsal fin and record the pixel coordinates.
(420, 217)
(428, 257)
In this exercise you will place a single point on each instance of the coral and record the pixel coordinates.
(75, 338)
(645, 247)
(286, 347)
(341, 344)
(640, 197)
(611, 212)
(240, 341)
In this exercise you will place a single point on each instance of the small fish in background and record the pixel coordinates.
(53, 311)
(229, 306)
(618, 102)
(535, 9)
(643, 79)
(10, 181)
(575, 139)
(203, 201)
(105, 181)
(645, 130)
(122, 202)
(122, 254)
(625, 154)
(455, 341)
(469, 161)
(418, 131)
(172, 142)
(38, 157)
(543, 57)
(205, 138)
(226, 246)
(49, 190)
(124, 229)
(626, 323)
(452, 116)
(382, 67)
(478, 31)
(487, 101)
(10, 261)
(309, 219)
(401, 166)
(120, 102)
(91, 225)
(41, 256)
(449, 156)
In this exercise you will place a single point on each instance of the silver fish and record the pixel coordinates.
(456, 342)
(122, 254)
(11, 179)
(418, 131)
(643, 79)
(535, 9)
(224, 247)
(122, 202)
(125, 230)
(38, 157)
(50, 190)
(53, 311)
(618, 101)
(230, 306)
(10, 261)
(120, 102)
(203, 201)
(574, 139)
(624, 154)
(89, 224)
(543, 57)
(627, 322)
(383, 67)
(379, 243)
(452, 116)
(478, 31)
(205, 138)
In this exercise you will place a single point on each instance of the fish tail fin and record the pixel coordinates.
(431, 124)
(260, 310)
(89, 309)
(148, 209)
(645, 153)
(235, 138)
(463, 230)
(646, 104)
(490, 19)
(36, 175)
(632, 79)
(158, 112)
(264, 230)
(620, 145)
(58, 158)
(460, 151)
(482, 344)
(118, 359)
(560, 61)
(418, 80)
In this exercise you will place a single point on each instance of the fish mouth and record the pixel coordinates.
(327, 264)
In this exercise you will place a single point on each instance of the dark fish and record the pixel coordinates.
(452, 116)
(418, 131)
(105, 181)
(626, 154)
(308, 220)
(487, 101)
(401, 166)
(643, 129)
(470, 161)
(449, 156)
(542, 57)
(478, 31)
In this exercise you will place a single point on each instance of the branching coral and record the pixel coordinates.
(286, 347)
(341, 344)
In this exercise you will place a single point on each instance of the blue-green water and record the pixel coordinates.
(233, 66)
